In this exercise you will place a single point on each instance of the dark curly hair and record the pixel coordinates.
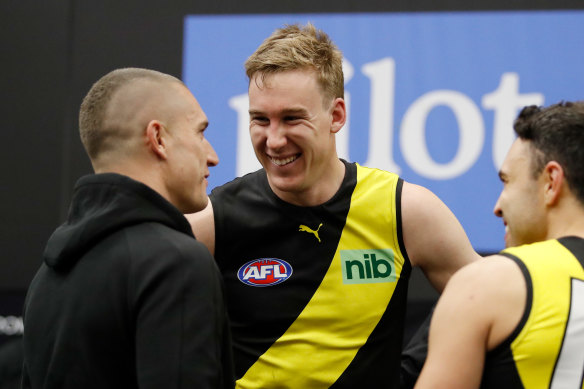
(556, 133)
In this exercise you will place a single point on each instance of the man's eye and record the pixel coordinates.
(259, 119)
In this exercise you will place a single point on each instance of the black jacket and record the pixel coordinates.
(125, 298)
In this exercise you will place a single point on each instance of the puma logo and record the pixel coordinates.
(310, 230)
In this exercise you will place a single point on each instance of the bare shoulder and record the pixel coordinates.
(413, 194)
(487, 275)
(203, 225)
(420, 205)
(477, 311)
(492, 290)
(434, 238)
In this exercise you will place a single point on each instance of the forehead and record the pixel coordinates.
(287, 79)
(299, 86)
(518, 158)
(182, 102)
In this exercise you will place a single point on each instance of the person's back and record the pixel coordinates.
(537, 353)
(120, 277)
(126, 297)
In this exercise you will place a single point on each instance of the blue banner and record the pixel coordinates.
(431, 96)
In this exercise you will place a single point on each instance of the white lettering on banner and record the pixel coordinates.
(382, 76)
(245, 160)
(505, 101)
(11, 325)
(413, 139)
(342, 137)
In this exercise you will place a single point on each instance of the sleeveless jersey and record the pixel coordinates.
(546, 350)
(316, 295)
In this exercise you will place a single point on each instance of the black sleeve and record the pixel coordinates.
(414, 355)
(182, 336)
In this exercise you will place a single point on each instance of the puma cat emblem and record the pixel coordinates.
(310, 230)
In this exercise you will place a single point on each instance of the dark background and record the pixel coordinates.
(51, 53)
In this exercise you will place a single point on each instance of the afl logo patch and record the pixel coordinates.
(264, 272)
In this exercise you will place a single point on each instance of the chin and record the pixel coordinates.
(194, 205)
(200, 206)
(286, 184)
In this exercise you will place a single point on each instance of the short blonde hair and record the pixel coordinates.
(300, 47)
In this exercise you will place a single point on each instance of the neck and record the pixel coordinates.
(567, 220)
(142, 171)
(318, 193)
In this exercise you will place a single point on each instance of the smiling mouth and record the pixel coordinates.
(284, 161)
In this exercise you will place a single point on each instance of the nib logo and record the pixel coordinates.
(368, 266)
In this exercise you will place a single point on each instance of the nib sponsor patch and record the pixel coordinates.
(264, 272)
(368, 266)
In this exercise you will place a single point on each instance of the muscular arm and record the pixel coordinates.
(480, 307)
(203, 225)
(434, 239)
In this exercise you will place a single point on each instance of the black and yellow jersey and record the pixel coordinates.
(546, 350)
(316, 295)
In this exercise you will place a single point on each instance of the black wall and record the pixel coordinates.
(52, 51)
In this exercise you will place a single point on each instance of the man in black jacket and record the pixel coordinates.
(126, 297)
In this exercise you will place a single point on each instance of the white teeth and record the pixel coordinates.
(282, 162)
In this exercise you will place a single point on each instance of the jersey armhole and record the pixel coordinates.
(398, 213)
(576, 246)
(506, 344)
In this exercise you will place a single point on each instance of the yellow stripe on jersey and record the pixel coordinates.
(337, 321)
(551, 267)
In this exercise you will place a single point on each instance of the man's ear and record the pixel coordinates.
(554, 178)
(155, 138)
(339, 114)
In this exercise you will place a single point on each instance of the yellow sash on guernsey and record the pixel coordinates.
(318, 347)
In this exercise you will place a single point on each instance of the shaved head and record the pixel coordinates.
(120, 105)
(148, 126)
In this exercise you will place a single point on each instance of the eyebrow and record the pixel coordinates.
(288, 111)
(255, 113)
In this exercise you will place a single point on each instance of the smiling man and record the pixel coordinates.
(516, 320)
(316, 251)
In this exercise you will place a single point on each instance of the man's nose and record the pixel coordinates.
(212, 158)
(276, 137)
(497, 209)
